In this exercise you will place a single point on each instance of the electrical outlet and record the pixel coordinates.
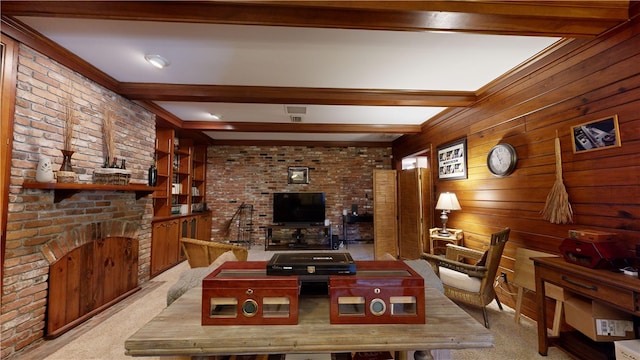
(503, 275)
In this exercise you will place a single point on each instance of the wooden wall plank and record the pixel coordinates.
(87, 299)
(73, 284)
(56, 309)
(582, 82)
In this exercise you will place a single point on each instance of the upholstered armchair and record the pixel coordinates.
(468, 275)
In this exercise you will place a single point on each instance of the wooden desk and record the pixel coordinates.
(616, 289)
(177, 331)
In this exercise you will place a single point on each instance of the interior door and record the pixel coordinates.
(427, 206)
(414, 212)
(409, 214)
(385, 218)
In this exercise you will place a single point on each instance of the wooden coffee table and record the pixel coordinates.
(176, 331)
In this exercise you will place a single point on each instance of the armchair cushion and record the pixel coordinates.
(459, 280)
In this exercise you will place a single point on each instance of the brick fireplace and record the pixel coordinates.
(42, 229)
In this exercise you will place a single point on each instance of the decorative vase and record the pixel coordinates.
(153, 175)
(44, 172)
(66, 160)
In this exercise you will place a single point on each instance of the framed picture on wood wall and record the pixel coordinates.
(452, 160)
(596, 135)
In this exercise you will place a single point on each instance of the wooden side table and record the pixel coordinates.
(438, 243)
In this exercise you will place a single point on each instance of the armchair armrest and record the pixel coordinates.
(469, 269)
(201, 253)
(458, 253)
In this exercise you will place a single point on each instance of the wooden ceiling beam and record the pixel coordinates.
(294, 95)
(557, 19)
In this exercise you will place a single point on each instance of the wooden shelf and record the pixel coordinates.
(298, 237)
(65, 190)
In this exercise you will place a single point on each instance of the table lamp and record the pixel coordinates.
(446, 202)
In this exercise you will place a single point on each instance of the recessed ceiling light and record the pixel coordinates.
(157, 61)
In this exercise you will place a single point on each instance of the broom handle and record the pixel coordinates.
(558, 160)
(558, 151)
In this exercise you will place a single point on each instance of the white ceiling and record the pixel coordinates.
(218, 54)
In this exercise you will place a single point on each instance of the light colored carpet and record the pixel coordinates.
(512, 341)
(106, 340)
(103, 336)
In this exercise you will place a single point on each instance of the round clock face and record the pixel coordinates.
(502, 159)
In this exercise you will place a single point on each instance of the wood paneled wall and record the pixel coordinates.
(580, 81)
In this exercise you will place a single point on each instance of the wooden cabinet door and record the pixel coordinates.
(173, 243)
(165, 237)
(158, 232)
(385, 219)
(203, 231)
(413, 212)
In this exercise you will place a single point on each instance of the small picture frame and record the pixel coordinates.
(452, 160)
(596, 135)
(298, 175)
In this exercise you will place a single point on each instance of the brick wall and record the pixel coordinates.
(34, 219)
(251, 174)
(234, 175)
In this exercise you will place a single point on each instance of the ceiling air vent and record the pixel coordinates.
(296, 118)
(295, 109)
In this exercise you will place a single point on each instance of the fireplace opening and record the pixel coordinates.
(90, 269)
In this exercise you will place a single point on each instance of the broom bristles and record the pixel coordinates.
(557, 209)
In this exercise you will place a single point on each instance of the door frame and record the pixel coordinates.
(8, 81)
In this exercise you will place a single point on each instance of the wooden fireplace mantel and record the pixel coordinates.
(65, 190)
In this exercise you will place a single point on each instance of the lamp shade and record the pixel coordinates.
(448, 201)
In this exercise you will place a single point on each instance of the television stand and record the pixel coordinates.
(296, 236)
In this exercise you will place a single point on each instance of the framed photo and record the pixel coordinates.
(298, 175)
(452, 160)
(596, 135)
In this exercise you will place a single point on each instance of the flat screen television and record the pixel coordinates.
(298, 208)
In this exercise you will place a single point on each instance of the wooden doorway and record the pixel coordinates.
(8, 71)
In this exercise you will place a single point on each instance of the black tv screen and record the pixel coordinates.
(298, 208)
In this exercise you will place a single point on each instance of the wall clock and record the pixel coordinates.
(502, 160)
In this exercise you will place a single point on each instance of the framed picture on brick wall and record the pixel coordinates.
(298, 175)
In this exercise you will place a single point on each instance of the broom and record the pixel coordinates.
(557, 209)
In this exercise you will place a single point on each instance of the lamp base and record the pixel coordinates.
(444, 218)
(444, 232)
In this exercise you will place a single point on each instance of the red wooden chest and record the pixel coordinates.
(381, 292)
(241, 293)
